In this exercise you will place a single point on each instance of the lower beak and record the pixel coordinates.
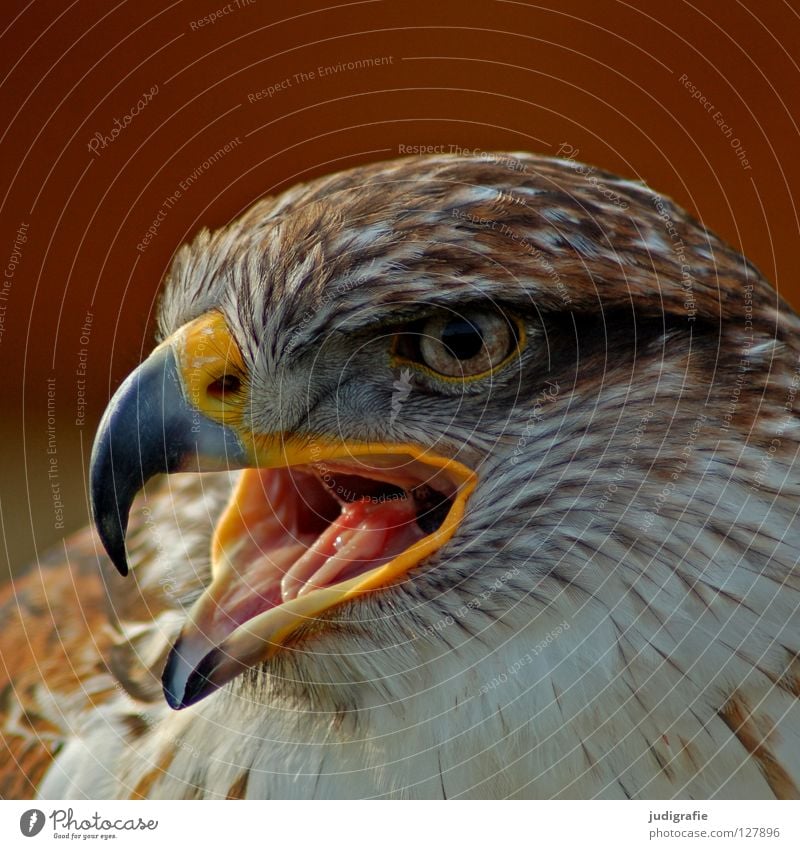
(272, 575)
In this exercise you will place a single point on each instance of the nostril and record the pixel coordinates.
(226, 385)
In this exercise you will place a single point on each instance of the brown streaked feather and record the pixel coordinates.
(753, 731)
(74, 633)
(53, 642)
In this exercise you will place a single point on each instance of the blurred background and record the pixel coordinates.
(128, 126)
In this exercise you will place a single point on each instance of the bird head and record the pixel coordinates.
(448, 382)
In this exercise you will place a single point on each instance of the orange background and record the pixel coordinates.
(607, 78)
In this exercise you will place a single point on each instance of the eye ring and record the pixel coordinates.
(460, 347)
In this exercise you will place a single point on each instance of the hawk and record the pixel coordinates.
(453, 476)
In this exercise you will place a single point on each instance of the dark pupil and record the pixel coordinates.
(462, 339)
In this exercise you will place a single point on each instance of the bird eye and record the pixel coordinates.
(462, 345)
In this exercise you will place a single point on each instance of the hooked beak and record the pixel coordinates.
(312, 523)
(151, 427)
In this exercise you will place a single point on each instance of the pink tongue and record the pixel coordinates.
(367, 534)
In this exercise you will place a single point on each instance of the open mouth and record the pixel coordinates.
(291, 531)
(295, 541)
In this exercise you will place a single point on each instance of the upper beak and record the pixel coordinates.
(151, 426)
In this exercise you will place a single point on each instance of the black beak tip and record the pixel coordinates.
(112, 535)
(169, 675)
(116, 552)
(120, 561)
(198, 685)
